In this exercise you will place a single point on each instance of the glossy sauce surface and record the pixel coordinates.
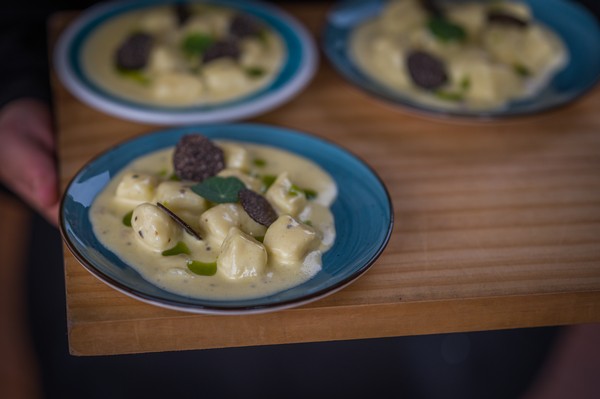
(482, 73)
(171, 78)
(172, 273)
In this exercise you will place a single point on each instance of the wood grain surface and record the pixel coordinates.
(497, 224)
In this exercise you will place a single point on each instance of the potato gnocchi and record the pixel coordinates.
(183, 54)
(459, 55)
(236, 256)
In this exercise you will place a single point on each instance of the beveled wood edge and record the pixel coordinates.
(304, 325)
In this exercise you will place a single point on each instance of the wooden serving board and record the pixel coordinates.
(497, 224)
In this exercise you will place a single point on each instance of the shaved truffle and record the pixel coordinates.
(257, 207)
(179, 221)
(197, 158)
(182, 12)
(432, 7)
(222, 49)
(501, 18)
(426, 70)
(243, 25)
(134, 52)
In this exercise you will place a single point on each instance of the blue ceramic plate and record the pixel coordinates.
(298, 69)
(363, 219)
(579, 30)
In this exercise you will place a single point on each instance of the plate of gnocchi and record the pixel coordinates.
(226, 218)
(466, 59)
(174, 62)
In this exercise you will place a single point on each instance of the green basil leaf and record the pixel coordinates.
(445, 30)
(259, 162)
(267, 181)
(465, 83)
(127, 218)
(219, 189)
(134, 75)
(196, 43)
(521, 70)
(255, 72)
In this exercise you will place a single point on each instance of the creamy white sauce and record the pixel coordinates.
(171, 272)
(171, 79)
(380, 46)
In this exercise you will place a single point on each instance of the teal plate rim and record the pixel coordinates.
(578, 28)
(298, 69)
(363, 215)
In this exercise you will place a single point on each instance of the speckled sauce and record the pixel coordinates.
(172, 79)
(172, 273)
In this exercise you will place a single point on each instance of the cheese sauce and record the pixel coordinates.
(493, 65)
(171, 78)
(172, 273)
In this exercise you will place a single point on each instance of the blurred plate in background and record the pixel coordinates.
(299, 65)
(578, 29)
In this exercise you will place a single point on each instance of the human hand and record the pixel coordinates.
(27, 154)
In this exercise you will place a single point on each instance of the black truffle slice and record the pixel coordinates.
(426, 70)
(432, 7)
(243, 25)
(501, 18)
(134, 52)
(257, 207)
(221, 49)
(182, 12)
(179, 221)
(197, 158)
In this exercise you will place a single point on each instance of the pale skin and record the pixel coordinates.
(27, 152)
(28, 168)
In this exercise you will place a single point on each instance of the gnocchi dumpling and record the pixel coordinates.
(541, 50)
(178, 196)
(284, 197)
(218, 220)
(321, 219)
(484, 81)
(223, 75)
(387, 53)
(255, 54)
(470, 16)
(241, 256)
(289, 241)
(401, 16)
(236, 156)
(137, 187)
(209, 21)
(163, 60)
(177, 87)
(154, 227)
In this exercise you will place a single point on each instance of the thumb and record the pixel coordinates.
(28, 166)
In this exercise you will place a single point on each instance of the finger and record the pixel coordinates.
(31, 118)
(29, 169)
(27, 152)
(40, 126)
